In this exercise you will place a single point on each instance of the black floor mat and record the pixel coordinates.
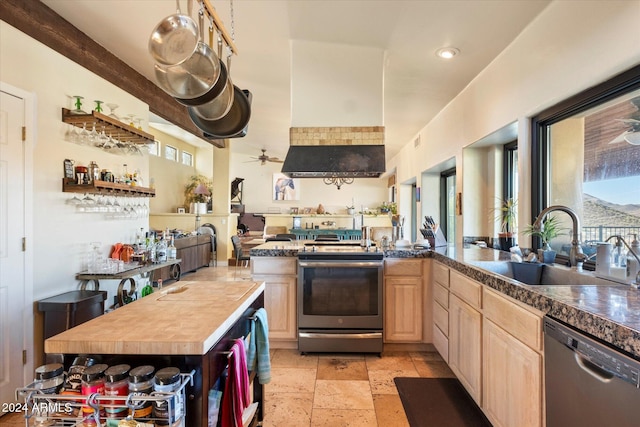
(438, 402)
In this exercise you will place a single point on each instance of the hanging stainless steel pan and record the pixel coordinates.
(174, 39)
(212, 93)
(194, 77)
(234, 124)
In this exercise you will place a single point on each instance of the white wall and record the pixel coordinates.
(569, 47)
(61, 234)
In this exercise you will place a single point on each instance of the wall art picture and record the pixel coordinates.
(285, 188)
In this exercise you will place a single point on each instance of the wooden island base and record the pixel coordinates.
(189, 325)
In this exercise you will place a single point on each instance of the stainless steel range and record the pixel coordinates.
(340, 298)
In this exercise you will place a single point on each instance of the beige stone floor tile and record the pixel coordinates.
(342, 369)
(390, 361)
(293, 359)
(434, 370)
(287, 409)
(389, 410)
(339, 394)
(426, 356)
(382, 381)
(344, 418)
(351, 356)
(291, 380)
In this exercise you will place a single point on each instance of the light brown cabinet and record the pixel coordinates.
(403, 300)
(440, 307)
(512, 363)
(279, 275)
(465, 345)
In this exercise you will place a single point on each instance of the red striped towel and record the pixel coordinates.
(236, 397)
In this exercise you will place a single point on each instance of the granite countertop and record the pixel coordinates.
(608, 312)
(186, 318)
(291, 249)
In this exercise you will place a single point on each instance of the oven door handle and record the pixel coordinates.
(346, 336)
(357, 264)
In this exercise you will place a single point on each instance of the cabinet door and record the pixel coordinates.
(403, 309)
(204, 255)
(189, 257)
(512, 380)
(465, 345)
(280, 303)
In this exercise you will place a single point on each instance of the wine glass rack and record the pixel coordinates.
(115, 128)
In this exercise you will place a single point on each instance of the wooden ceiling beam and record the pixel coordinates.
(41, 23)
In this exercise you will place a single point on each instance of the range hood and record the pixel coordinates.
(341, 152)
(344, 161)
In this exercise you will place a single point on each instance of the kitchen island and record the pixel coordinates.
(189, 325)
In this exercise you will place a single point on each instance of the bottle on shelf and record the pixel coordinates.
(172, 252)
(161, 251)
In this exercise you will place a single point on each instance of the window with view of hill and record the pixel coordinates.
(589, 160)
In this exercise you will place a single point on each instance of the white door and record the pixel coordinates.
(12, 256)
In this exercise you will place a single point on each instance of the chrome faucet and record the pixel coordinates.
(576, 256)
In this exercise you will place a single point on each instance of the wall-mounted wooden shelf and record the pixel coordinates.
(107, 188)
(120, 131)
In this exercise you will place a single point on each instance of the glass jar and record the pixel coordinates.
(168, 412)
(141, 384)
(116, 384)
(93, 382)
(73, 383)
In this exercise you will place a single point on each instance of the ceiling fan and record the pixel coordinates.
(263, 158)
(632, 134)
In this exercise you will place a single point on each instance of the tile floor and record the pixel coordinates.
(333, 390)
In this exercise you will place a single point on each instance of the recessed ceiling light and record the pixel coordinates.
(447, 52)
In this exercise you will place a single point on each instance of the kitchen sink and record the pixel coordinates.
(543, 274)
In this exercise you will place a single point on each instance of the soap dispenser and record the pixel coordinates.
(633, 266)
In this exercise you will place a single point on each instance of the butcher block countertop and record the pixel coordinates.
(187, 318)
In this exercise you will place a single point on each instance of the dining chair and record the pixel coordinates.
(237, 251)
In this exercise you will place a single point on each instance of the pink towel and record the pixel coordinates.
(237, 396)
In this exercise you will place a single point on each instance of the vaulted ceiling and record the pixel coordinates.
(417, 83)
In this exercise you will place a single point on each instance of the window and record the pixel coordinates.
(586, 156)
(510, 178)
(187, 158)
(448, 204)
(154, 148)
(170, 153)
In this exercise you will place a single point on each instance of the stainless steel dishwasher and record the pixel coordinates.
(588, 383)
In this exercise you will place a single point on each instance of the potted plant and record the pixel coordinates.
(351, 210)
(507, 216)
(197, 193)
(550, 229)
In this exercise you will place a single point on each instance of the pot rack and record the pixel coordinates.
(217, 23)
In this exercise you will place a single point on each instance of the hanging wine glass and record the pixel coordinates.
(112, 111)
(92, 138)
(102, 139)
(75, 200)
(78, 105)
(83, 135)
